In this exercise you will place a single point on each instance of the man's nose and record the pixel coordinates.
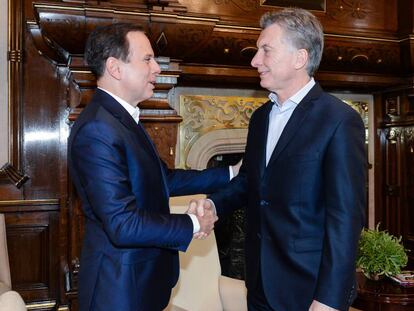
(255, 60)
(156, 68)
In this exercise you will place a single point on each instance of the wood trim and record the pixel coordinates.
(15, 76)
(42, 205)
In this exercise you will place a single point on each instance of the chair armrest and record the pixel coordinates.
(11, 301)
(233, 294)
(4, 257)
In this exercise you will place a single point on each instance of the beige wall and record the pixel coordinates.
(4, 120)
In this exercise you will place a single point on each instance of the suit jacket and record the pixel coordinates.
(129, 258)
(305, 210)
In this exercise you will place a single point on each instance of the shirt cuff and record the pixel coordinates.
(196, 224)
(231, 174)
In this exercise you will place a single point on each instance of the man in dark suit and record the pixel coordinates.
(302, 178)
(129, 258)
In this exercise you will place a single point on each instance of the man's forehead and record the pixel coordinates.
(139, 41)
(269, 36)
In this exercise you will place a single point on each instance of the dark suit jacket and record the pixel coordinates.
(129, 258)
(305, 210)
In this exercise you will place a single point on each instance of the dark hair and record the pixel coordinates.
(108, 41)
(301, 29)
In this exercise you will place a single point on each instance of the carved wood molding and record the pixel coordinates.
(195, 39)
(15, 176)
(15, 56)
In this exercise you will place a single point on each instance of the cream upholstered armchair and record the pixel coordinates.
(201, 287)
(9, 300)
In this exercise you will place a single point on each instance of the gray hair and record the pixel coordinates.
(302, 30)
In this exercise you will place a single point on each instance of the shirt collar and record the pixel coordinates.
(133, 111)
(296, 98)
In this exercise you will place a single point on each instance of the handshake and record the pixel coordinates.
(205, 212)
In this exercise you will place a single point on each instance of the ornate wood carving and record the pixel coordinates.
(203, 114)
(16, 177)
(360, 56)
(15, 56)
(392, 107)
(348, 8)
(15, 61)
(207, 39)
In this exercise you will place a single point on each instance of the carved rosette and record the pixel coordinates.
(394, 134)
(409, 137)
(203, 114)
(342, 9)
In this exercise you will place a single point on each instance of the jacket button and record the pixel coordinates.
(264, 203)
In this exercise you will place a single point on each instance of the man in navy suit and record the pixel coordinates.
(302, 178)
(129, 257)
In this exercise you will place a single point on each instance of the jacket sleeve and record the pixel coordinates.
(98, 156)
(186, 182)
(345, 196)
(233, 196)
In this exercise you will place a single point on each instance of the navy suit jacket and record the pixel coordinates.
(129, 257)
(305, 209)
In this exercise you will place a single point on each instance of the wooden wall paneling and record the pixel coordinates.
(75, 225)
(392, 172)
(361, 56)
(408, 216)
(379, 143)
(33, 251)
(369, 18)
(42, 106)
(15, 60)
(396, 130)
(405, 17)
(164, 135)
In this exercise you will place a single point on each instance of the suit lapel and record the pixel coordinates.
(110, 104)
(149, 141)
(262, 139)
(295, 121)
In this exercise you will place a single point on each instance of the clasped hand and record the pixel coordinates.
(206, 215)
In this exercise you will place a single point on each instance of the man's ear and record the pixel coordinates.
(113, 68)
(302, 58)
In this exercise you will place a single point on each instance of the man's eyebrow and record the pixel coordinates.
(265, 45)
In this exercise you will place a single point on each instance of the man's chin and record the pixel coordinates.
(263, 84)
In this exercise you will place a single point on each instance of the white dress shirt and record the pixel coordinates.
(280, 115)
(133, 111)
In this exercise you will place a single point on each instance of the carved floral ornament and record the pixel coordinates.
(204, 114)
(402, 134)
(393, 134)
(349, 8)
